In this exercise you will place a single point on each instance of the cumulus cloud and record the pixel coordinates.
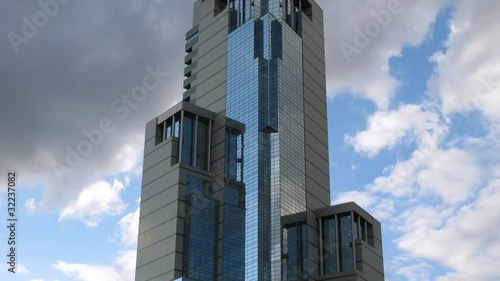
(88, 272)
(445, 191)
(363, 199)
(466, 79)
(128, 229)
(377, 31)
(453, 175)
(126, 263)
(381, 208)
(415, 272)
(123, 269)
(401, 180)
(94, 202)
(22, 269)
(467, 75)
(30, 205)
(61, 86)
(388, 128)
(464, 242)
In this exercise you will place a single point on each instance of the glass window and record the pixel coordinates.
(168, 128)
(346, 255)
(295, 251)
(356, 227)
(363, 229)
(234, 154)
(159, 133)
(233, 254)
(202, 142)
(188, 133)
(193, 37)
(330, 246)
(199, 226)
(177, 125)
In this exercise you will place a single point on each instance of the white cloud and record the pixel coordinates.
(126, 262)
(128, 228)
(30, 205)
(381, 208)
(384, 209)
(363, 199)
(468, 74)
(365, 73)
(387, 128)
(452, 276)
(88, 272)
(423, 217)
(448, 190)
(94, 202)
(125, 161)
(22, 269)
(415, 272)
(452, 174)
(467, 77)
(123, 269)
(465, 241)
(401, 180)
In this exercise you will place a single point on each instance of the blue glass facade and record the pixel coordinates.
(242, 105)
(346, 247)
(295, 266)
(199, 227)
(330, 246)
(265, 92)
(233, 262)
(202, 211)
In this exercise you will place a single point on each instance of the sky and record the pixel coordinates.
(413, 106)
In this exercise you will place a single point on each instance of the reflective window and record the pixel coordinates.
(177, 125)
(188, 132)
(195, 137)
(202, 143)
(193, 37)
(233, 237)
(199, 227)
(330, 246)
(346, 255)
(295, 252)
(265, 93)
(338, 235)
(234, 154)
(201, 220)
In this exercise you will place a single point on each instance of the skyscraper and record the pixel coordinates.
(236, 180)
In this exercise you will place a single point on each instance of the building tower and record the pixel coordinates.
(236, 176)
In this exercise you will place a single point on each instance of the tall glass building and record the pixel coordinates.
(236, 176)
